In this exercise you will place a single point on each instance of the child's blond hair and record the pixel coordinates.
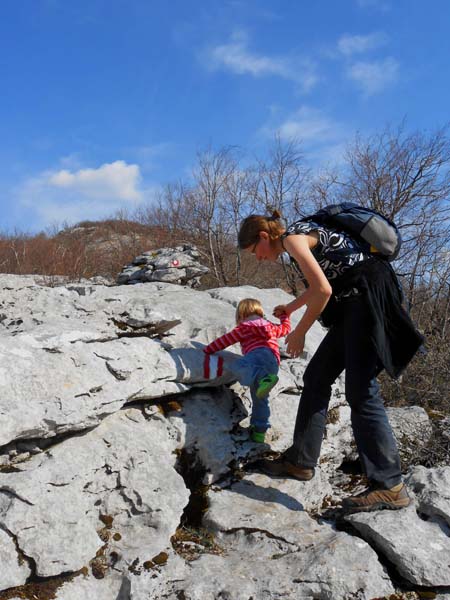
(247, 307)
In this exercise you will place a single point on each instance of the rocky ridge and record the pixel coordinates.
(123, 470)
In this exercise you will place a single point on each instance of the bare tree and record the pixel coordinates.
(406, 177)
(241, 190)
(207, 205)
(169, 211)
(282, 178)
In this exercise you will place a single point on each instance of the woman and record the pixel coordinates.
(358, 297)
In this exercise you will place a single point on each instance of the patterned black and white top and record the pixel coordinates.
(336, 251)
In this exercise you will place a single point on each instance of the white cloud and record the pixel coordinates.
(236, 57)
(90, 193)
(308, 124)
(374, 77)
(322, 138)
(356, 44)
(116, 180)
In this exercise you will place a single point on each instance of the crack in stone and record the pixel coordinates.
(82, 309)
(263, 531)
(57, 484)
(117, 373)
(132, 398)
(128, 501)
(102, 340)
(20, 553)
(8, 491)
(96, 389)
(49, 442)
(135, 505)
(103, 357)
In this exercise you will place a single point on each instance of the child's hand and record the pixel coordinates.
(281, 309)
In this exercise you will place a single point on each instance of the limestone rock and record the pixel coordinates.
(432, 491)
(255, 564)
(15, 569)
(87, 586)
(104, 405)
(419, 549)
(178, 265)
(75, 388)
(336, 568)
(274, 505)
(117, 479)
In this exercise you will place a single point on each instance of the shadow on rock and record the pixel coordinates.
(252, 490)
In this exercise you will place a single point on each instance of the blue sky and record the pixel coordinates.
(105, 101)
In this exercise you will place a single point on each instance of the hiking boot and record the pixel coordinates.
(280, 467)
(376, 498)
(256, 435)
(265, 385)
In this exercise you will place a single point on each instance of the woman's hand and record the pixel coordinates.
(281, 309)
(295, 342)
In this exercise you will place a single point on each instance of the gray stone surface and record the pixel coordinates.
(419, 549)
(87, 587)
(56, 505)
(15, 569)
(45, 393)
(179, 265)
(432, 490)
(264, 503)
(103, 401)
(254, 564)
(58, 330)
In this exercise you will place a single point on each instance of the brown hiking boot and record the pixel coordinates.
(280, 467)
(376, 498)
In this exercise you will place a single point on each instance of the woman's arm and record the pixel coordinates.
(315, 297)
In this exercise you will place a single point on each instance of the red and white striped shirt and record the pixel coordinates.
(251, 334)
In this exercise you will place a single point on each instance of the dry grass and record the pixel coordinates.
(86, 250)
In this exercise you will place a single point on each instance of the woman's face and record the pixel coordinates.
(264, 248)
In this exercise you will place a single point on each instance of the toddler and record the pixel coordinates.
(258, 368)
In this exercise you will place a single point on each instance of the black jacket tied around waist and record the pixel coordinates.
(394, 335)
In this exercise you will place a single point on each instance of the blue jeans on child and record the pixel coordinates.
(249, 370)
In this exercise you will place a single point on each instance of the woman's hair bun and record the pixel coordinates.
(275, 215)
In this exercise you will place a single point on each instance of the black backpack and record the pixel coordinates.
(380, 234)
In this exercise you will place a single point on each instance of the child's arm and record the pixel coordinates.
(283, 328)
(228, 339)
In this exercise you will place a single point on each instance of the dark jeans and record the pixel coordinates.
(347, 346)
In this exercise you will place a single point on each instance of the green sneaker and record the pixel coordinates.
(265, 385)
(257, 436)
